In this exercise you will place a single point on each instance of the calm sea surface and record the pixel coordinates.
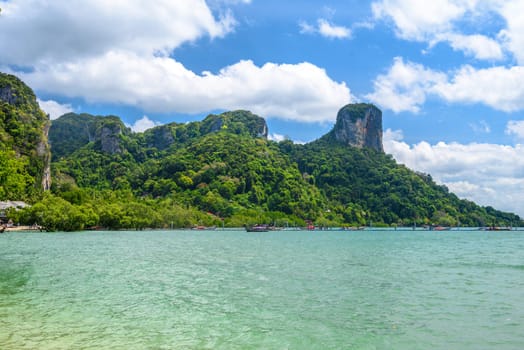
(277, 290)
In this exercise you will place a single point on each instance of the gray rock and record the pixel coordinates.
(110, 138)
(359, 125)
(6, 95)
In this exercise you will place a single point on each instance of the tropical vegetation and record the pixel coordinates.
(222, 171)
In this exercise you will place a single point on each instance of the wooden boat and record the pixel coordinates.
(498, 228)
(257, 228)
(204, 228)
(440, 228)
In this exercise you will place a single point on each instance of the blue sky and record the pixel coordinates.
(447, 74)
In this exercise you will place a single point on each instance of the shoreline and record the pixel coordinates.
(22, 228)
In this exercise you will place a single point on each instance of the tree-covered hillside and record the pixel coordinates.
(364, 185)
(224, 166)
(24, 153)
(220, 171)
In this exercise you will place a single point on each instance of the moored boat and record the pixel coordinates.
(440, 228)
(257, 228)
(204, 228)
(498, 228)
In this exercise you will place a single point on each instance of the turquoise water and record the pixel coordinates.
(276, 290)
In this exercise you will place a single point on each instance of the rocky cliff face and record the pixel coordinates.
(24, 127)
(44, 151)
(109, 135)
(7, 95)
(72, 131)
(359, 125)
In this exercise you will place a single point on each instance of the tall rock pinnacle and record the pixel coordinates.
(359, 125)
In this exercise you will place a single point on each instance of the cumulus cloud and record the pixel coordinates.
(326, 29)
(118, 52)
(302, 92)
(33, 31)
(418, 20)
(143, 124)
(478, 46)
(440, 21)
(54, 109)
(513, 13)
(487, 174)
(407, 85)
(498, 87)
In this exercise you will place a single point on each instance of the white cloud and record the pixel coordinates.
(419, 20)
(276, 137)
(332, 31)
(498, 87)
(143, 124)
(441, 21)
(118, 52)
(33, 31)
(405, 86)
(326, 29)
(487, 174)
(515, 127)
(301, 92)
(478, 46)
(513, 12)
(54, 109)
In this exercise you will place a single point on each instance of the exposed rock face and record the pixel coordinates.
(24, 127)
(72, 131)
(109, 137)
(359, 125)
(43, 150)
(6, 95)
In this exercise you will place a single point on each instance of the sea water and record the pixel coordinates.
(275, 290)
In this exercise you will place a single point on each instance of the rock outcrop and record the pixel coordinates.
(109, 135)
(24, 127)
(359, 125)
(72, 131)
(44, 151)
(7, 96)
(236, 122)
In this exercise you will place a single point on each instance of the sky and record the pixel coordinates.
(448, 75)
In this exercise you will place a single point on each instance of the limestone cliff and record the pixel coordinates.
(358, 125)
(109, 135)
(72, 131)
(23, 129)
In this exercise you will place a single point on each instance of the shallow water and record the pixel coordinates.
(276, 290)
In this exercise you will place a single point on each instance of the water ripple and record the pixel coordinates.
(282, 290)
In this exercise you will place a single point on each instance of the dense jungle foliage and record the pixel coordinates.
(23, 141)
(221, 171)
